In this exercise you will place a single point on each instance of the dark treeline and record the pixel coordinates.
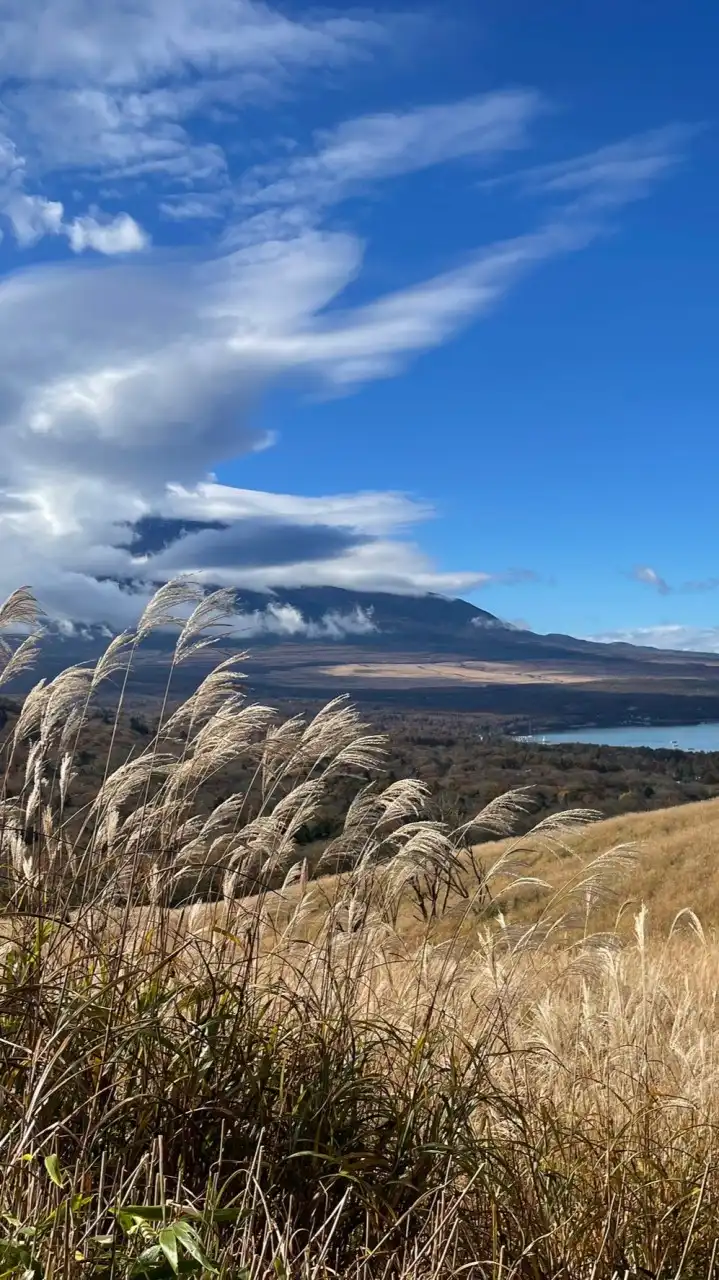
(467, 763)
(465, 759)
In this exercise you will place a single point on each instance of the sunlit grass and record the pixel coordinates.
(386, 1072)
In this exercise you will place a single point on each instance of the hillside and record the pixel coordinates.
(462, 758)
(674, 872)
(677, 866)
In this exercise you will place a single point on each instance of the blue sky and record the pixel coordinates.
(398, 300)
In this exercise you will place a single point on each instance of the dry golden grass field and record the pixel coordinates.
(468, 672)
(436, 1059)
(673, 873)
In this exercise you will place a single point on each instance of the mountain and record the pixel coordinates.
(409, 651)
(373, 620)
(389, 621)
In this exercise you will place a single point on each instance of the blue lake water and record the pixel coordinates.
(687, 737)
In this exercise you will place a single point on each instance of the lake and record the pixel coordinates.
(687, 737)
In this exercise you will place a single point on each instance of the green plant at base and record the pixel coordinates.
(171, 1248)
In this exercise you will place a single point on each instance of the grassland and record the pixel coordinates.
(670, 876)
(436, 1059)
(551, 678)
(438, 673)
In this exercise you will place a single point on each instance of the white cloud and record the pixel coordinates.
(375, 340)
(118, 92)
(649, 576)
(32, 217)
(123, 379)
(118, 235)
(383, 564)
(118, 88)
(376, 513)
(644, 573)
(284, 620)
(496, 624)
(144, 374)
(193, 208)
(133, 43)
(386, 145)
(125, 382)
(96, 133)
(590, 187)
(675, 635)
(617, 173)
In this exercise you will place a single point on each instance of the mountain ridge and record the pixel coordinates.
(307, 644)
(390, 619)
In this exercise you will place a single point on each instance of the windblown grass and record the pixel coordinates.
(274, 1079)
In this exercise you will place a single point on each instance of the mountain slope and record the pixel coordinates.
(423, 650)
(390, 621)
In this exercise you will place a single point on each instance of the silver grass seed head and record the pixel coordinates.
(20, 609)
(172, 595)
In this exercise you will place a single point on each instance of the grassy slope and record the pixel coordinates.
(677, 866)
(676, 869)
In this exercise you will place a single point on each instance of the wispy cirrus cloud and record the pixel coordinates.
(364, 150)
(644, 573)
(694, 586)
(138, 45)
(615, 174)
(125, 99)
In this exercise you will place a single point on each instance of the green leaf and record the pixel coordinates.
(221, 1215)
(143, 1212)
(151, 1262)
(12, 1254)
(134, 1218)
(167, 1241)
(34, 1272)
(52, 1165)
(190, 1241)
